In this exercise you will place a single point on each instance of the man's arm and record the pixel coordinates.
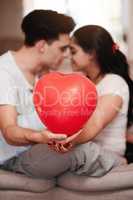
(18, 136)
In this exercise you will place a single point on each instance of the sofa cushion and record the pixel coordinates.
(119, 178)
(14, 181)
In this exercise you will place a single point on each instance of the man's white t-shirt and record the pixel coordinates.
(113, 135)
(16, 91)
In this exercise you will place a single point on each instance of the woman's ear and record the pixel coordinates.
(40, 45)
(92, 56)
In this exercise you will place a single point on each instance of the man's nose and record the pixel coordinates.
(67, 53)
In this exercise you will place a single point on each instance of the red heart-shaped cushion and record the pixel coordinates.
(64, 102)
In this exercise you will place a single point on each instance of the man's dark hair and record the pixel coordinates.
(45, 24)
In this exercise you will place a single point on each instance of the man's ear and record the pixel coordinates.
(40, 45)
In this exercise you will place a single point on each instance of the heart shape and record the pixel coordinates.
(64, 102)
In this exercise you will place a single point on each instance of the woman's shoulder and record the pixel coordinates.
(114, 80)
(113, 84)
(114, 77)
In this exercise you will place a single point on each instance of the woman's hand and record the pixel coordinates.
(59, 147)
(64, 145)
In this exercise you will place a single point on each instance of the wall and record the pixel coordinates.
(130, 35)
(11, 14)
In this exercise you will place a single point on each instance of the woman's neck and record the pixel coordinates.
(94, 73)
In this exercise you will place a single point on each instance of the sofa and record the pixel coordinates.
(116, 185)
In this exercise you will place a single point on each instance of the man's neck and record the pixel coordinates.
(28, 62)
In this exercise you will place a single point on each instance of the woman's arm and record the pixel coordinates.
(18, 136)
(106, 110)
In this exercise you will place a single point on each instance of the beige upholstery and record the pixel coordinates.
(117, 185)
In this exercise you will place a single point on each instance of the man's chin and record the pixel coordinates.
(54, 68)
(75, 69)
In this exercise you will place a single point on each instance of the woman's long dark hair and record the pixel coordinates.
(93, 38)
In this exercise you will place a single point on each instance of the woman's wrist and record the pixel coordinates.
(74, 143)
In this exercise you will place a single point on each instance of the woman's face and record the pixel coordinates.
(79, 58)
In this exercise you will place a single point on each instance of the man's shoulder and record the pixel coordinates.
(5, 61)
(4, 57)
(6, 65)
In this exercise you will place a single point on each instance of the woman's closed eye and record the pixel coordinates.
(72, 50)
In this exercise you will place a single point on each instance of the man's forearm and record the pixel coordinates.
(18, 136)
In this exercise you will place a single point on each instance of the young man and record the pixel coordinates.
(45, 46)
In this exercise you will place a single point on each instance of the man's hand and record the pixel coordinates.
(44, 137)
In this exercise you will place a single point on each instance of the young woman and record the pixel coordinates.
(95, 54)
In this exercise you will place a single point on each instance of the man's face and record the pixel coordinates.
(56, 51)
